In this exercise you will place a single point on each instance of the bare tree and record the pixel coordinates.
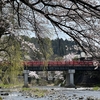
(79, 19)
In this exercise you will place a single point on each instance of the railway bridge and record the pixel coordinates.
(68, 66)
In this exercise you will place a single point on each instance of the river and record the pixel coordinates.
(58, 93)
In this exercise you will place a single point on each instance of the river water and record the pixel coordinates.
(59, 93)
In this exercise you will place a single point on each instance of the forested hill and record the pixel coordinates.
(60, 47)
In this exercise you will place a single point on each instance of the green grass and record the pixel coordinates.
(26, 89)
(96, 88)
(1, 98)
(10, 85)
(35, 91)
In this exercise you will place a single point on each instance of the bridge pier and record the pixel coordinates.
(70, 78)
(26, 72)
(67, 79)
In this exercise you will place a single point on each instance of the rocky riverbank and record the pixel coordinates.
(62, 94)
(53, 93)
(34, 92)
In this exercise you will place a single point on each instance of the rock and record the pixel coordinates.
(81, 98)
(57, 99)
(51, 96)
(36, 96)
(74, 95)
(90, 98)
(52, 89)
(5, 94)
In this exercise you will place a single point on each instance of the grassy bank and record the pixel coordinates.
(96, 88)
(1, 98)
(10, 85)
(35, 92)
(27, 91)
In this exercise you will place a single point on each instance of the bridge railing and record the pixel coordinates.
(71, 63)
(33, 63)
(58, 63)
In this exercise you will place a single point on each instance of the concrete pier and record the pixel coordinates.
(67, 79)
(70, 78)
(26, 72)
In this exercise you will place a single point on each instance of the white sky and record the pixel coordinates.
(49, 30)
(53, 36)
